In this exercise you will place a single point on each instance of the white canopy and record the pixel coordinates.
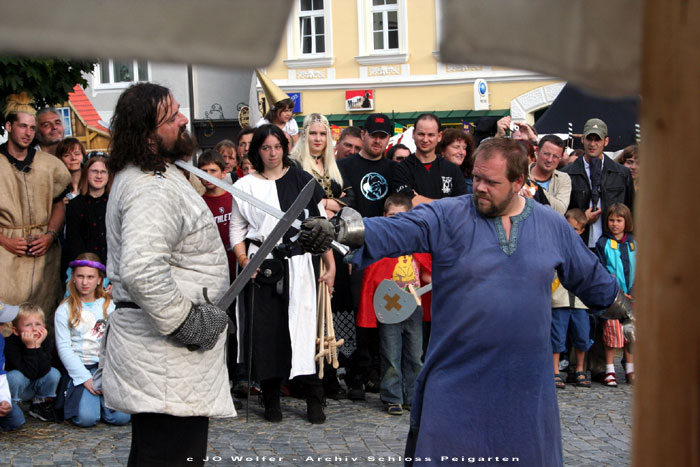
(595, 44)
(230, 33)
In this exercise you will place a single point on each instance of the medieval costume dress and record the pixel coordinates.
(28, 191)
(486, 389)
(284, 320)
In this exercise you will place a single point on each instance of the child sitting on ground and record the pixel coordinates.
(11, 416)
(80, 323)
(569, 313)
(400, 344)
(28, 352)
(617, 250)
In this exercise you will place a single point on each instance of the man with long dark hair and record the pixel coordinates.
(163, 361)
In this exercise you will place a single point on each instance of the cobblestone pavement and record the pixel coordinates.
(596, 427)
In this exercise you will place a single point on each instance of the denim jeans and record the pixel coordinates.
(91, 407)
(24, 389)
(12, 420)
(400, 349)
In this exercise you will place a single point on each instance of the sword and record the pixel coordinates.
(339, 247)
(268, 245)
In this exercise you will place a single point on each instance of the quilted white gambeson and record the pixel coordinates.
(163, 248)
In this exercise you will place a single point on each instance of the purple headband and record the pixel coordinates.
(85, 262)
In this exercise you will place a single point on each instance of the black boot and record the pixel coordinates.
(314, 400)
(331, 385)
(271, 399)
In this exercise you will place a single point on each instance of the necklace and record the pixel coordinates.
(262, 174)
(317, 158)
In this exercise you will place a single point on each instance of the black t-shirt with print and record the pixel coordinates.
(370, 181)
(438, 179)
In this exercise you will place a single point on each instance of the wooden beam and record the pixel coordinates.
(666, 425)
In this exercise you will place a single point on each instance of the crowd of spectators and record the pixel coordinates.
(54, 196)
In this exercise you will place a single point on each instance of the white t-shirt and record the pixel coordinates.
(291, 127)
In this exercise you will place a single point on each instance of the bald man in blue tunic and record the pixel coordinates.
(486, 389)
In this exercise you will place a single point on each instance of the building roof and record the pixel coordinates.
(84, 108)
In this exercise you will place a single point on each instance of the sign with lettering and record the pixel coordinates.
(359, 99)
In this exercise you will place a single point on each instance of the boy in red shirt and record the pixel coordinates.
(220, 202)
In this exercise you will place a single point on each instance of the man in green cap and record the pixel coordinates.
(597, 182)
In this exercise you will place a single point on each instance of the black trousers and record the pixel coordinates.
(160, 440)
(364, 361)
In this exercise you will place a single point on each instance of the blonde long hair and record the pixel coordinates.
(75, 304)
(302, 154)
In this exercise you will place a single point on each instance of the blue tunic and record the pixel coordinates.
(487, 385)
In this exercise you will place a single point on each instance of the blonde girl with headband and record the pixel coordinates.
(314, 154)
(80, 323)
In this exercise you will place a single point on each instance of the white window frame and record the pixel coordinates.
(384, 10)
(312, 15)
(295, 57)
(64, 113)
(97, 81)
(368, 54)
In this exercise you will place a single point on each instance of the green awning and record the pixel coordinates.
(448, 117)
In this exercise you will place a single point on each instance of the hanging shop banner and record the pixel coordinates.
(359, 99)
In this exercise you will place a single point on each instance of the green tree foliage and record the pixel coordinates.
(48, 81)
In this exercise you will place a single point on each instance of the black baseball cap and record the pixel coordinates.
(379, 122)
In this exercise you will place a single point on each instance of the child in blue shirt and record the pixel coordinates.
(617, 250)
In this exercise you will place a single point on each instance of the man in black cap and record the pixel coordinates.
(597, 182)
(368, 172)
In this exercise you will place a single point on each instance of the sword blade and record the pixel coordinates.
(268, 245)
(271, 210)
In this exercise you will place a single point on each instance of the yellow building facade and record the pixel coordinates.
(389, 50)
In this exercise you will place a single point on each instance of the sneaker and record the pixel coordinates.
(394, 409)
(356, 393)
(43, 411)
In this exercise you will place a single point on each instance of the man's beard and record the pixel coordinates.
(183, 147)
(47, 141)
(494, 210)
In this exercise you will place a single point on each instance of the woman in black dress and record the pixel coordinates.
(284, 311)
